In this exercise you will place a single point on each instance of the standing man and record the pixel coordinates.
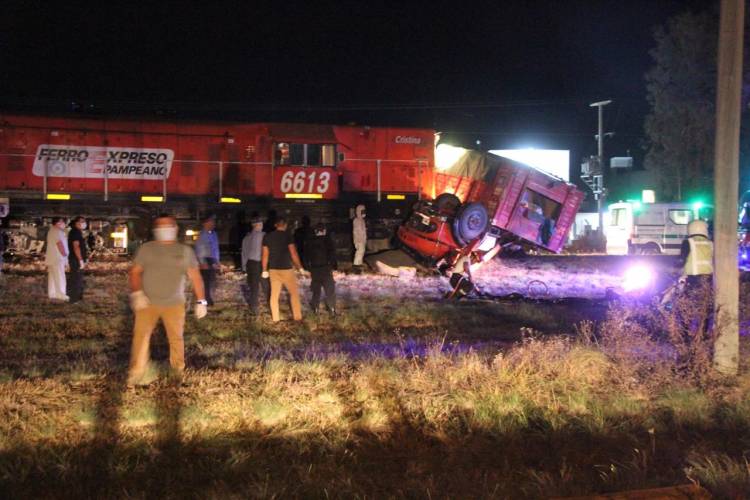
(56, 259)
(252, 251)
(236, 234)
(320, 260)
(301, 234)
(76, 259)
(207, 251)
(359, 235)
(277, 259)
(157, 284)
(697, 253)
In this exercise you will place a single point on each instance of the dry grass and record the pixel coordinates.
(396, 399)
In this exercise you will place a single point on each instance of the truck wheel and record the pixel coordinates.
(651, 249)
(447, 202)
(470, 223)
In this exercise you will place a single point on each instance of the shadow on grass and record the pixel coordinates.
(101, 457)
(406, 461)
(465, 454)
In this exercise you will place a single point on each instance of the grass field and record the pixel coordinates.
(399, 397)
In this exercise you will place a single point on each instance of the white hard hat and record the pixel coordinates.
(698, 228)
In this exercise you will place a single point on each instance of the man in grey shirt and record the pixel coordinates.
(252, 246)
(157, 283)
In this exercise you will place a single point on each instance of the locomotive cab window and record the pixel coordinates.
(305, 155)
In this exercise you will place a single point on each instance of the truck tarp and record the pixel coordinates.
(476, 165)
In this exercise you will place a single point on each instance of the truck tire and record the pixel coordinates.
(650, 249)
(447, 202)
(470, 223)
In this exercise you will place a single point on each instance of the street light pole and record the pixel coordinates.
(600, 192)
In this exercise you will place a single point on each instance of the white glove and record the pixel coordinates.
(139, 301)
(264, 275)
(200, 311)
(81, 264)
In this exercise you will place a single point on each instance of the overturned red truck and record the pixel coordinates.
(487, 203)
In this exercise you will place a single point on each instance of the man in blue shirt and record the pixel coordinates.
(207, 251)
(252, 247)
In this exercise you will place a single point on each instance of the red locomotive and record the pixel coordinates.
(120, 172)
(125, 170)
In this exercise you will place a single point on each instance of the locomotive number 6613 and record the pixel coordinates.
(319, 182)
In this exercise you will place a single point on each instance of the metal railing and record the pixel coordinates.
(378, 172)
(215, 170)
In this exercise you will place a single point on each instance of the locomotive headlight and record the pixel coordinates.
(189, 232)
(446, 156)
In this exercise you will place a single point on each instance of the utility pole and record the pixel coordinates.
(726, 178)
(600, 193)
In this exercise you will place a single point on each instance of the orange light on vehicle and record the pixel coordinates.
(396, 197)
(304, 196)
(152, 198)
(58, 196)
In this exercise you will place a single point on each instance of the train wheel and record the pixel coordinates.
(470, 223)
(447, 202)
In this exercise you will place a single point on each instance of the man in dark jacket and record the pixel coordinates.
(320, 260)
(77, 258)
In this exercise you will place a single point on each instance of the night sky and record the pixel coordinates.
(507, 73)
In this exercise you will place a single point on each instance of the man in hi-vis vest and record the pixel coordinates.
(697, 253)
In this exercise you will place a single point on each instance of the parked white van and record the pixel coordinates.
(650, 228)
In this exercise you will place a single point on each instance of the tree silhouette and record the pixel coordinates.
(681, 89)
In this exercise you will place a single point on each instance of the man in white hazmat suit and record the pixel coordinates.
(56, 259)
(359, 234)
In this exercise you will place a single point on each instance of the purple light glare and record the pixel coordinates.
(637, 277)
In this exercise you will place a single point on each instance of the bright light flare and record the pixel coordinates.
(446, 156)
(553, 161)
(637, 278)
